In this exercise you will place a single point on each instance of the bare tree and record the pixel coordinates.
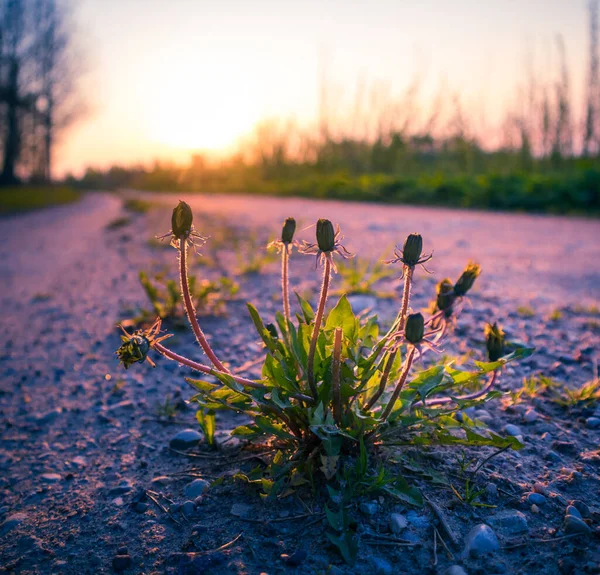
(590, 136)
(38, 96)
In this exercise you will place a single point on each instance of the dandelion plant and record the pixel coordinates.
(333, 390)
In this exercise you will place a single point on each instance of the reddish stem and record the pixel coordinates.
(318, 319)
(191, 311)
(400, 385)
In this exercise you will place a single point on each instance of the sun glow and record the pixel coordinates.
(198, 114)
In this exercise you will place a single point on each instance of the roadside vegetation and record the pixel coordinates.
(25, 198)
(336, 390)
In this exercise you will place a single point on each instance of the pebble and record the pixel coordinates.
(188, 508)
(491, 491)
(536, 499)
(510, 522)
(581, 507)
(540, 488)
(397, 523)
(123, 487)
(480, 540)
(241, 510)
(196, 488)
(368, 507)
(553, 456)
(574, 524)
(141, 507)
(50, 477)
(593, 422)
(513, 430)
(455, 570)
(121, 562)
(530, 416)
(379, 566)
(416, 520)
(11, 522)
(185, 439)
(573, 511)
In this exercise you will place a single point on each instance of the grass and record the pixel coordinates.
(25, 198)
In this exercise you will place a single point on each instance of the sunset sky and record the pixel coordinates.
(168, 77)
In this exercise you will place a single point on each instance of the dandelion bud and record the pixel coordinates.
(415, 328)
(445, 295)
(411, 252)
(325, 236)
(494, 341)
(133, 349)
(287, 233)
(467, 279)
(181, 220)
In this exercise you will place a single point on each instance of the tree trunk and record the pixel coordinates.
(12, 141)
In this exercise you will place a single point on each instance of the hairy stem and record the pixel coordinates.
(191, 311)
(315, 334)
(475, 395)
(400, 384)
(336, 370)
(285, 284)
(166, 352)
(400, 321)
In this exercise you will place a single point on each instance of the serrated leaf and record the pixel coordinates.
(307, 310)
(343, 316)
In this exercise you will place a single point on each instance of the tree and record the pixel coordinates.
(38, 96)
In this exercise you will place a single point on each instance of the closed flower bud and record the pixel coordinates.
(287, 233)
(494, 341)
(181, 220)
(445, 295)
(133, 349)
(411, 252)
(325, 236)
(415, 328)
(467, 279)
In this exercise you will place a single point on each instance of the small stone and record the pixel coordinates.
(581, 507)
(141, 507)
(123, 487)
(513, 430)
(540, 488)
(185, 439)
(397, 523)
(379, 566)
(535, 508)
(530, 416)
(455, 570)
(510, 522)
(573, 511)
(188, 508)
(196, 488)
(11, 522)
(241, 510)
(174, 508)
(295, 559)
(553, 456)
(416, 520)
(565, 446)
(491, 491)
(574, 524)
(121, 562)
(593, 422)
(536, 499)
(368, 507)
(50, 477)
(162, 480)
(480, 540)
(118, 501)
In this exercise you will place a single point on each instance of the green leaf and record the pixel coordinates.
(276, 429)
(404, 492)
(335, 518)
(201, 385)
(426, 381)
(263, 332)
(208, 422)
(245, 430)
(307, 310)
(343, 316)
(347, 544)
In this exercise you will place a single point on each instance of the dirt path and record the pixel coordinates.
(81, 439)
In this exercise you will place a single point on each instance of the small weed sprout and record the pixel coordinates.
(334, 391)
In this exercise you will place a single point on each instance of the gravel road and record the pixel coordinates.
(81, 440)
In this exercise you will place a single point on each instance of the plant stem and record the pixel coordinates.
(315, 334)
(400, 321)
(336, 370)
(400, 385)
(166, 352)
(191, 311)
(285, 284)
